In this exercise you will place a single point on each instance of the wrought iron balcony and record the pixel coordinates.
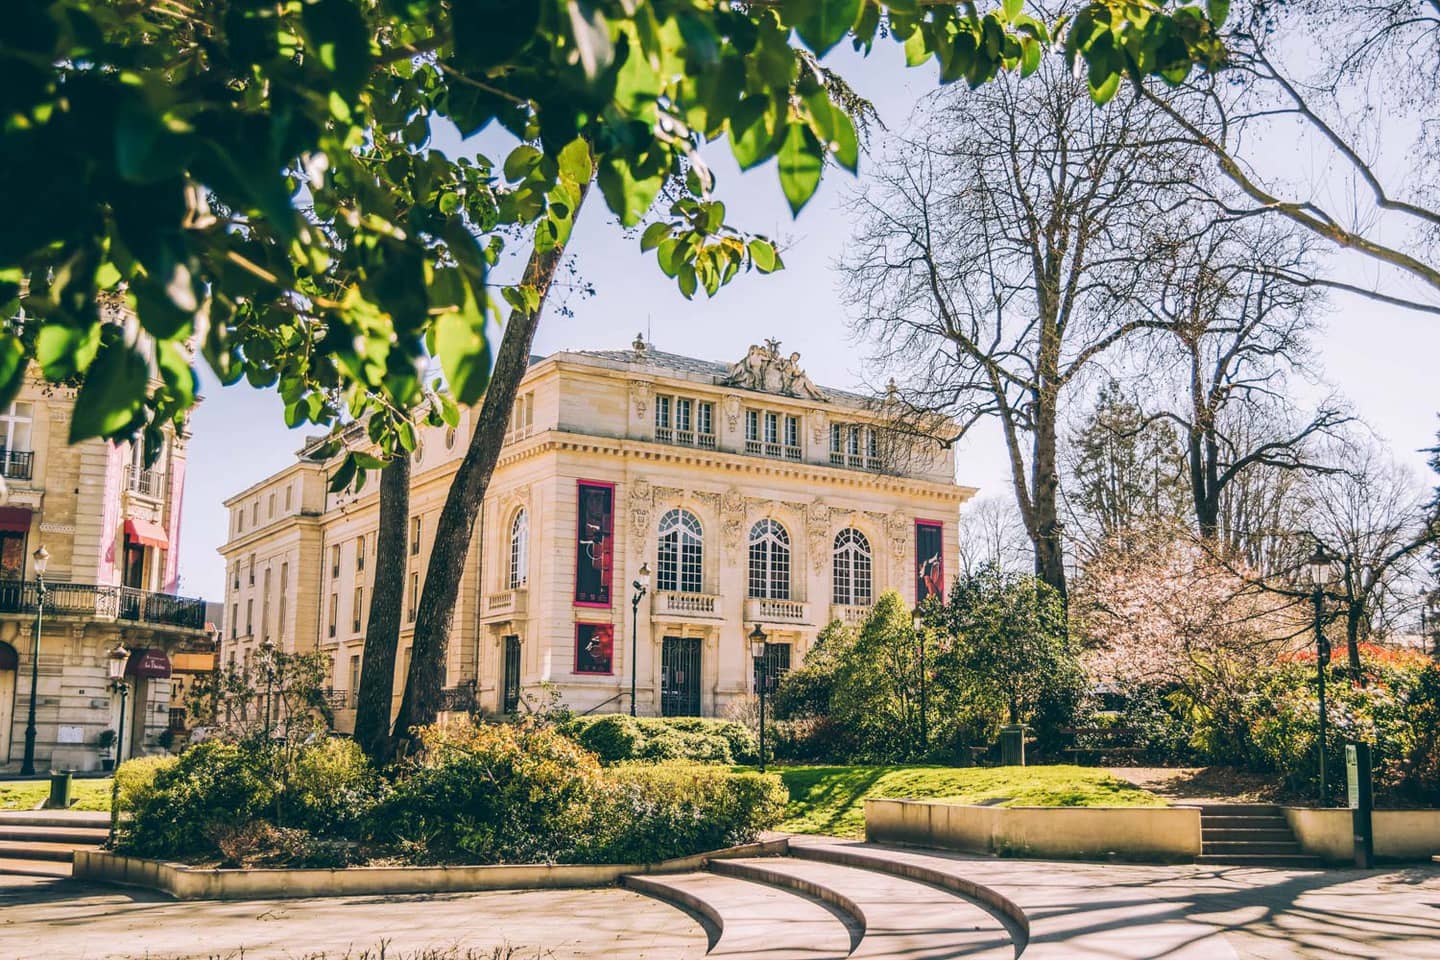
(147, 483)
(460, 698)
(104, 603)
(17, 464)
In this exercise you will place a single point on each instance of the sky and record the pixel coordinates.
(1380, 358)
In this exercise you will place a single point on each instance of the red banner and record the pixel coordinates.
(929, 560)
(594, 543)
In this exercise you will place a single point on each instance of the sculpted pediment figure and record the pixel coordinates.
(764, 369)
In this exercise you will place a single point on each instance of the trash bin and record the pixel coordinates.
(1012, 745)
(59, 791)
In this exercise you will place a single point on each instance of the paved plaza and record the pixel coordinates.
(1076, 911)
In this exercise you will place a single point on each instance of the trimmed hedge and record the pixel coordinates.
(618, 737)
(660, 811)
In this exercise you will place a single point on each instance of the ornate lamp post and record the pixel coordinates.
(918, 622)
(1322, 568)
(759, 647)
(116, 663)
(42, 559)
(267, 662)
(642, 587)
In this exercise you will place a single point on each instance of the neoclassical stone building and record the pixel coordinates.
(748, 494)
(111, 528)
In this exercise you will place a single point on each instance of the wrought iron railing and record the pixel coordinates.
(17, 464)
(459, 699)
(104, 603)
(147, 483)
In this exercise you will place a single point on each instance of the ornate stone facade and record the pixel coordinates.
(718, 448)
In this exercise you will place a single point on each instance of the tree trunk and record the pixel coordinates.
(436, 614)
(382, 629)
(1045, 483)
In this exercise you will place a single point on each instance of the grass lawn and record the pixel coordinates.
(831, 800)
(29, 794)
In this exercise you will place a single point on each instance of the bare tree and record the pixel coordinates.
(977, 255)
(1374, 516)
(382, 627)
(1235, 326)
(1333, 80)
(991, 532)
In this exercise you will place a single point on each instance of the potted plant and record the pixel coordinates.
(106, 741)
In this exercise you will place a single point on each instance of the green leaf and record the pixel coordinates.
(592, 38)
(344, 473)
(687, 281)
(1106, 90)
(1218, 11)
(521, 161)
(800, 161)
(461, 342)
(755, 131)
(629, 198)
(1012, 8)
(63, 350)
(1029, 56)
(112, 395)
(488, 32)
(653, 234)
(916, 50)
(763, 255)
(824, 23)
(12, 368)
(341, 40)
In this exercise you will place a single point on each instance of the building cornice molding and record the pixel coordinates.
(732, 464)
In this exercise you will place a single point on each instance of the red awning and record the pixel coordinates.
(147, 533)
(147, 663)
(14, 519)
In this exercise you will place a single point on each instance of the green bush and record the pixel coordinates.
(616, 738)
(211, 785)
(330, 787)
(136, 777)
(492, 793)
(661, 811)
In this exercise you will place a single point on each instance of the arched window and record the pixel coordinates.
(519, 550)
(769, 561)
(852, 584)
(682, 544)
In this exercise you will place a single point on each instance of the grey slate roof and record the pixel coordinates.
(695, 368)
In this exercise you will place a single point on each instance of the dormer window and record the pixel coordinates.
(854, 445)
(685, 421)
(769, 433)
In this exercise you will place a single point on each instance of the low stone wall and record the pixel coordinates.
(1130, 833)
(194, 883)
(1399, 834)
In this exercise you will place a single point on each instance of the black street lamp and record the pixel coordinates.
(1322, 568)
(759, 648)
(918, 622)
(117, 659)
(267, 661)
(642, 587)
(42, 559)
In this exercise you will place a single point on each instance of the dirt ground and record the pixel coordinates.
(1198, 784)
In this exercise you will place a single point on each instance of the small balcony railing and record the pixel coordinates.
(506, 604)
(778, 451)
(17, 464)
(854, 461)
(147, 483)
(687, 604)
(459, 699)
(777, 611)
(852, 615)
(104, 603)
(685, 438)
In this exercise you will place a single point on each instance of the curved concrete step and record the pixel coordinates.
(22, 850)
(902, 918)
(52, 869)
(79, 836)
(753, 921)
(55, 818)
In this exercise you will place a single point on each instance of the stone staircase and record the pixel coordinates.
(42, 843)
(1249, 834)
(822, 903)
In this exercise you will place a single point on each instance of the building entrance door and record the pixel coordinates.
(511, 690)
(9, 668)
(680, 677)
